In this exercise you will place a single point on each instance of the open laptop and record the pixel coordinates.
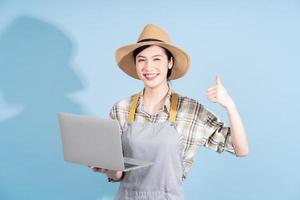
(93, 141)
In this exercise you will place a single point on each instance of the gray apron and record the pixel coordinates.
(159, 143)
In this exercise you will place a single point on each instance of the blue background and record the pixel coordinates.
(59, 56)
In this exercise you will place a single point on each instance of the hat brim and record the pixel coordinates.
(125, 60)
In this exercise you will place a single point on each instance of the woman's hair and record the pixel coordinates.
(168, 53)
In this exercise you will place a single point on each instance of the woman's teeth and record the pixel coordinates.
(150, 76)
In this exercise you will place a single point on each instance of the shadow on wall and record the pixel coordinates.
(35, 72)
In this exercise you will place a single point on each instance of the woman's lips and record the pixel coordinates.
(150, 77)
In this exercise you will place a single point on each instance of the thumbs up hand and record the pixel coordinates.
(218, 94)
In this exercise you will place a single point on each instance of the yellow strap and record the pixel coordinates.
(133, 106)
(173, 110)
(172, 113)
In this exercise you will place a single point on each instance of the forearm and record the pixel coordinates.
(238, 132)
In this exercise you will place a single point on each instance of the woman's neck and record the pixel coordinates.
(154, 98)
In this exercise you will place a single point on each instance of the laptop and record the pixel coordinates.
(95, 141)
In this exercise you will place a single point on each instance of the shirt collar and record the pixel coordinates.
(167, 103)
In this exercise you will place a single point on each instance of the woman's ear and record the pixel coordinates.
(170, 65)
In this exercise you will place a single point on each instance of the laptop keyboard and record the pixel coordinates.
(128, 165)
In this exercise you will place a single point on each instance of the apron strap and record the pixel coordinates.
(133, 106)
(172, 113)
(173, 110)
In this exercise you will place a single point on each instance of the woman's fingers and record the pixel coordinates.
(211, 95)
(103, 170)
(211, 88)
(211, 92)
(98, 169)
(110, 173)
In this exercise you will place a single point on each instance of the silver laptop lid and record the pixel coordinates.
(90, 140)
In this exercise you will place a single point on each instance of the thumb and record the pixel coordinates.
(218, 80)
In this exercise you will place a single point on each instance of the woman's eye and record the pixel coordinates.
(156, 59)
(141, 60)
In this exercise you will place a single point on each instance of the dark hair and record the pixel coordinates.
(169, 55)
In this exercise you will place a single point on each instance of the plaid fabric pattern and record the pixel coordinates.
(198, 127)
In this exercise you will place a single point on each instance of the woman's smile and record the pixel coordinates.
(150, 76)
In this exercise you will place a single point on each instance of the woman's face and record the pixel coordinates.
(152, 66)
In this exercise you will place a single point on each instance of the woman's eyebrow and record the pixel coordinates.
(145, 56)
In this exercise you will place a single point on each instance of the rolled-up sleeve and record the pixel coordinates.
(114, 115)
(217, 134)
(113, 112)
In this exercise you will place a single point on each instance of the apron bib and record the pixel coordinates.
(159, 143)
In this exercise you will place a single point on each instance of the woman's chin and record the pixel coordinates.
(152, 84)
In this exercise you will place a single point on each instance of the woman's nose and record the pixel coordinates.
(148, 66)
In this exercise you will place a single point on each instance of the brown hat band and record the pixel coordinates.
(150, 39)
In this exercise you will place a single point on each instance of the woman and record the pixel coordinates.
(159, 125)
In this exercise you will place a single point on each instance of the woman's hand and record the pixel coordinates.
(218, 94)
(116, 175)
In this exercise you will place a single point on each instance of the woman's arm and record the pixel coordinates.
(238, 132)
(218, 94)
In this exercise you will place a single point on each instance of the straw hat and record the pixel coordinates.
(153, 35)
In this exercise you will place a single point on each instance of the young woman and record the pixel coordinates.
(159, 125)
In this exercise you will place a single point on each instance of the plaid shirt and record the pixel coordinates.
(198, 126)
